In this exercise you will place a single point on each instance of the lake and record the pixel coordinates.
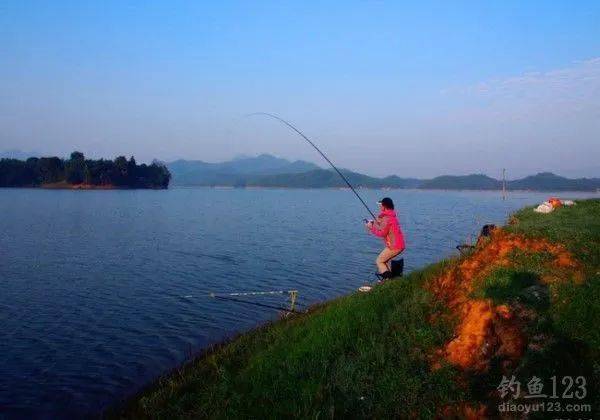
(103, 291)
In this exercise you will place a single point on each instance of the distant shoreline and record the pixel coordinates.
(79, 187)
(92, 187)
(256, 187)
(67, 186)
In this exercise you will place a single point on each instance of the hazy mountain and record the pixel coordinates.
(197, 172)
(266, 164)
(319, 178)
(394, 181)
(465, 182)
(547, 181)
(270, 171)
(17, 154)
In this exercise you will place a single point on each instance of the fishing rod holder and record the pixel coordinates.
(293, 295)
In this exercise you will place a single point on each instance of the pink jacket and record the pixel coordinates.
(387, 227)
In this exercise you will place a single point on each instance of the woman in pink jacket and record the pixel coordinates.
(387, 227)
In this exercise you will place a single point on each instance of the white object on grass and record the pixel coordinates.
(545, 207)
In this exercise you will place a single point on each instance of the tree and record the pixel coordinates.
(121, 171)
(132, 172)
(51, 169)
(75, 168)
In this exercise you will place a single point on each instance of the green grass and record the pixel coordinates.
(577, 227)
(509, 285)
(368, 355)
(576, 308)
(567, 314)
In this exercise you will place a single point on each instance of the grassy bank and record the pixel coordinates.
(437, 342)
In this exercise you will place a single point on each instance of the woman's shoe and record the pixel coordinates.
(387, 275)
(383, 277)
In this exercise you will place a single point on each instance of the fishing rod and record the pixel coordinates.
(264, 305)
(320, 152)
(234, 297)
(268, 292)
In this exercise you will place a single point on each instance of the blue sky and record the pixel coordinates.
(416, 89)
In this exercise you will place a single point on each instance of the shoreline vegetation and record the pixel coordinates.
(523, 304)
(66, 186)
(263, 171)
(79, 173)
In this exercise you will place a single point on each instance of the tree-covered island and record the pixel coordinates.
(79, 172)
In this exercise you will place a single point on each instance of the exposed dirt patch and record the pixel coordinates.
(485, 330)
(464, 411)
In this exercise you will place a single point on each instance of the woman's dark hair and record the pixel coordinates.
(387, 203)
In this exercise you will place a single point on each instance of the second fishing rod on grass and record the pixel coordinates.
(385, 225)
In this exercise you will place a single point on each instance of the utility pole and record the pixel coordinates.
(504, 183)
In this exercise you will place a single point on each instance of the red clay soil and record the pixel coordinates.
(463, 411)
(486, 330)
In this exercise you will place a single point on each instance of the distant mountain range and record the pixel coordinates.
(235, 172)
(270, 171)
(17, 154)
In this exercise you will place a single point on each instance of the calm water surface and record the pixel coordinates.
(96, 284)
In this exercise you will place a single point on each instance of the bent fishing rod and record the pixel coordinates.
(320, 152)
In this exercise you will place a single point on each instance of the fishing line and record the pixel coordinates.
(320, 152)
